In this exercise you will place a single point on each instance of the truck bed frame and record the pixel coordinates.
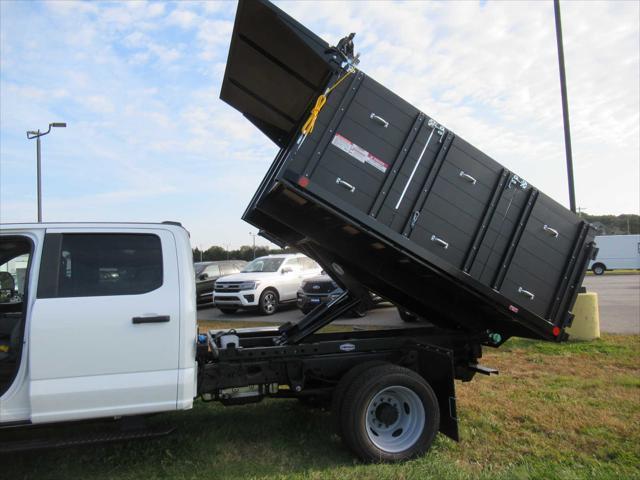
(263, 367)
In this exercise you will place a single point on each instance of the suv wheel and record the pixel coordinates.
(268, 302)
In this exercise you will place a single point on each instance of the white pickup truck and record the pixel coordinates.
(100, 323)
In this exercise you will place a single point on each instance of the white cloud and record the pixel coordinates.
(99, 104)
(182, 18)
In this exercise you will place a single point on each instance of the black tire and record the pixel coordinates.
(598, 269)
(228, 310)
(373, 383)
(407, 316)
(342, 386)
(268, 304)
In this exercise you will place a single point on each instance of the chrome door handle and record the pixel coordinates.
(152, 319)
(526, 293)
(439, 241)
(346, 185)
(467, 177)
(379, 120)
(551, 231)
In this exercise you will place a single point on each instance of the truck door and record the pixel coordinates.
(105, 325)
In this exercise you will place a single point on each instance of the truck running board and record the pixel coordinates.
(86, 439)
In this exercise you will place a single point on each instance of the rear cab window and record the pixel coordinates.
(105, 264)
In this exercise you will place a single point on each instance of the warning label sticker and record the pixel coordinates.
(358, 153)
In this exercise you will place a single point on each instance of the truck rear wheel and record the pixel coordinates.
(389, 414)
(599, 269)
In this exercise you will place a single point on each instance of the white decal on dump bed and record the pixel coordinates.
(358, 153)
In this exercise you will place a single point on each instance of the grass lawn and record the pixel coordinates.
(555, 411)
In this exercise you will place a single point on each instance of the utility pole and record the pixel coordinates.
(565, 106)
(254, 235)
(37, 134)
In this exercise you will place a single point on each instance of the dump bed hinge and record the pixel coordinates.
(437, 128)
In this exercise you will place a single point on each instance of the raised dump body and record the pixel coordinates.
(381, 193)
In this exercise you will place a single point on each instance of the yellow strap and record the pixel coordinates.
(307, 128)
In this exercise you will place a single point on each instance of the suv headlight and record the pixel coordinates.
(248, 285)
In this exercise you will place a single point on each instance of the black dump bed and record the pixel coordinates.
(381, 193)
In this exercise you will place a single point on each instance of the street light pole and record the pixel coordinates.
(254, 244)
(39, 175)
(565, 106)
(37, 134)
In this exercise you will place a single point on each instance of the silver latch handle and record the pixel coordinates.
(551, 231)
(439, 241)
(346, 185)
(526, 293)
(379, 120)
(467, 177)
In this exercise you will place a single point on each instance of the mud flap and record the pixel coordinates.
(436, 366)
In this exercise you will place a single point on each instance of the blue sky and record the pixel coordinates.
(149, 140)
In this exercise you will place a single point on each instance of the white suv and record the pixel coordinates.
(264, 283)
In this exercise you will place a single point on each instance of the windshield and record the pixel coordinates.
(263, 265)
(199, 267)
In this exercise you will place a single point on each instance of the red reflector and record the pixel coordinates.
(513, 308)
(555, 331)
(303, 182)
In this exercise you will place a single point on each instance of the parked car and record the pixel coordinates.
(208, 272)
(616, 252)
(322, 289)
(265, 283)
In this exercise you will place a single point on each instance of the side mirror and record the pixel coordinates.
(287, 270)
(204, 276)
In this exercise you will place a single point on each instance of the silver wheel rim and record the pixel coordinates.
(395, 419)
(269, 302)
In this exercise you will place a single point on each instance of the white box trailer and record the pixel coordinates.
(616, 252)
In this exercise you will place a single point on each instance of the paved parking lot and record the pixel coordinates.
(618, 296)
(619, 302)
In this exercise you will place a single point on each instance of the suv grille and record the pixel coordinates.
(227, 287)
(319, 287)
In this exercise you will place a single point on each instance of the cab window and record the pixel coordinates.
(85, 265)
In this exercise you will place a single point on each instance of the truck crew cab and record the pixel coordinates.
(100, 323)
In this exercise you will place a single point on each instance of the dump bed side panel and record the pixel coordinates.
(389, 167)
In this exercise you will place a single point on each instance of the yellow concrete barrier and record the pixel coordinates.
(586, 323)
